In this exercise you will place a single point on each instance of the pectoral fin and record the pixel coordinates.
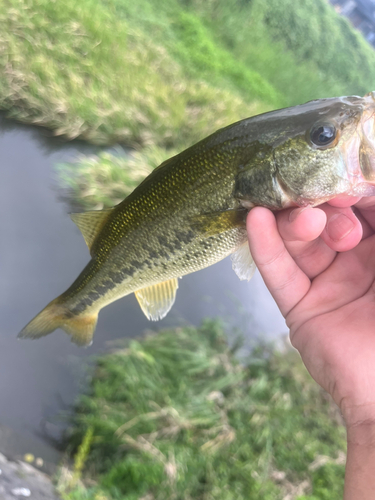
(156, 301)
(218, 222)
(90, 223)
(243, 263)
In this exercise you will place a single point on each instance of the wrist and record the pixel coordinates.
(361, 434)
(360, 464)
(359, 419)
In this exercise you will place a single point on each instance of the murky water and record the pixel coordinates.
(41, 253)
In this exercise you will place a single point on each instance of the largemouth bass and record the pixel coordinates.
(190, 212)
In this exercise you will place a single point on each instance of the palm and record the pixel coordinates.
(334, 323)
(327, 299)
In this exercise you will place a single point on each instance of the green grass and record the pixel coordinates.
(176, 416)
(291, 45)
(304, 48)
(84, 72)
(169, 73)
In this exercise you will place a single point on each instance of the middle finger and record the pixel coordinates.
(313, 235)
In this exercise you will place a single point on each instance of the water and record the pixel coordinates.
(41, 253)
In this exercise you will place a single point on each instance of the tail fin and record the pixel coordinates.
(55, 315)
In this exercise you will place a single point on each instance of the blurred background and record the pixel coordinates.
(93, 96)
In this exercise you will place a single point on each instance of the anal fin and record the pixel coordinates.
(242, 262)
(81, 329)
(156, 300)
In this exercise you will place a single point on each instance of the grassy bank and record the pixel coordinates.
(85, 72)
(304, 48)
(168, 73)
(176, 416)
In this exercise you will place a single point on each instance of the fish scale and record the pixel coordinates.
(190, 212)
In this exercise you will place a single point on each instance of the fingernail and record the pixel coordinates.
(339, 226)
(296, 212)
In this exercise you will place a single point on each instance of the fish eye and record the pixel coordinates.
(323, 134)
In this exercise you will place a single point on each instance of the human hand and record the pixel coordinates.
(319, 264)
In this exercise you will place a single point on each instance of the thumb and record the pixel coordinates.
(287, 283)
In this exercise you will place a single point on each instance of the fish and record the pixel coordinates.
(190, 212)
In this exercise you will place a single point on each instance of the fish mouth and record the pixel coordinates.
(367, 147)
(360, 154)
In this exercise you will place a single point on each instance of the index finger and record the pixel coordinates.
(287, 283)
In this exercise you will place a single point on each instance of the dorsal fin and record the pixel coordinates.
(90, 223)
(242, 262)
(156, 300)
